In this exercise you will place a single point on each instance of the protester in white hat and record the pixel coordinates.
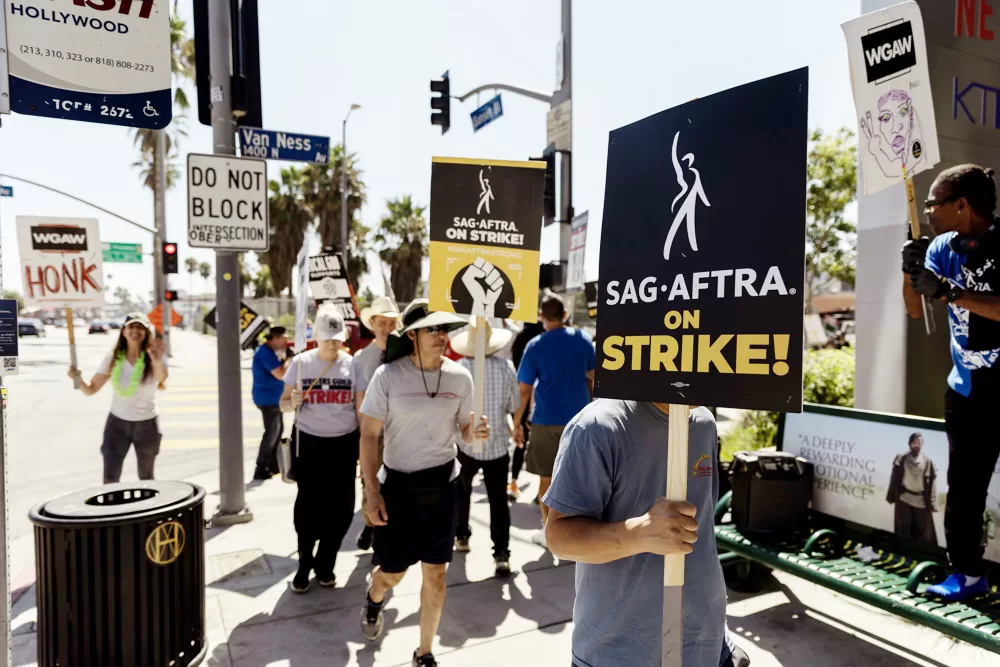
(136, 367)
(382, 318)
(501, 399)
(319, 389)
(424, 401)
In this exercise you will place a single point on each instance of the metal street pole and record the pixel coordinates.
(5, 656)
(345, 229)
(160, 220)
(564, 93)
(232, 497)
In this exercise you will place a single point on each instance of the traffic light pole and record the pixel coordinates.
(232, 496)
(160, 220)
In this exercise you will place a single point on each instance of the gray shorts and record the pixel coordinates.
(543, 445)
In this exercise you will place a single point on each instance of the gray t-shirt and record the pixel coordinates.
(328, 408)
(612, 466)
(363, 366)
(420, 431)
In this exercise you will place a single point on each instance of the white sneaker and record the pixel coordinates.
(539, 539)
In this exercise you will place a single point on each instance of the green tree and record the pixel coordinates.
(831, 239)
(402, 241)
(205, 269)
(261, 285)
(191, 264)
(182, 71)
(11, 294)
(366, 298)
(290, 218)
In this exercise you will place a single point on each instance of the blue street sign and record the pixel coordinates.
(6, 190)
(272, 145)
(486, 114)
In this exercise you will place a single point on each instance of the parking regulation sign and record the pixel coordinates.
(99, 62)
(227, 203)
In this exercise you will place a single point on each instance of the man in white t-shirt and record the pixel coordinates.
(423, 402)
(382, 318)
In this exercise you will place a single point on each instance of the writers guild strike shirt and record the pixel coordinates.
(975, 340)
(328, 408)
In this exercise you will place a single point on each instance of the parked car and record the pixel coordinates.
(30, 327)
(115, 324)
(98, 326)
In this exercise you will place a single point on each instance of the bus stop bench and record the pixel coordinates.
(894, 582)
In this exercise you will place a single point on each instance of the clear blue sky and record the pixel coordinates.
(631, 59)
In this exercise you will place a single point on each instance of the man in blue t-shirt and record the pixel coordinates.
(559, 367)
(269, 366)
(960, 267)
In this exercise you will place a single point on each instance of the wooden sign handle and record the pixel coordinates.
(72, 346)
(911, 201)
(479, 377)
(673, 566)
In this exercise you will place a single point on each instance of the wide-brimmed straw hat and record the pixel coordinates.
(464, 342)
(383, 307)
(418, 316)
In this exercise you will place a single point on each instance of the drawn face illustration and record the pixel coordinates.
(895, 121)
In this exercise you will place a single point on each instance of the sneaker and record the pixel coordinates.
(502, 564)
(462, 545)
(326, 581)
(301, 582)
(426, 660)
(539, 538)
(955, 588)
(513, 493)
(373, 618)
(365, 538)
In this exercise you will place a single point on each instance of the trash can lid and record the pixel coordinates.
(121, 500)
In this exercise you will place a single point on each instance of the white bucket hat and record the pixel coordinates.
(383, 307)
(464, 342)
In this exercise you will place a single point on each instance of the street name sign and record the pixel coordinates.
(61, 262)
(98, 61)
(122, 253)
(486, 114)
(273, 145)
(227, 203)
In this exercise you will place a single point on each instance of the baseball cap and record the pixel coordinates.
(141, 318)
(329, 325)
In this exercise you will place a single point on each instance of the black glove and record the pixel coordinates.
(914, 253)
(926, 283)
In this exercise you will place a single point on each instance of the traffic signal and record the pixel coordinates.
(244, 63)
(441, 106)
(170, 295)
(549, 188)
(169, 257)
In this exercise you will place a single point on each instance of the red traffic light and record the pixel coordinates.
(170, 295)
(170, 248)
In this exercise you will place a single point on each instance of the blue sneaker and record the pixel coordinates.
(954, 588)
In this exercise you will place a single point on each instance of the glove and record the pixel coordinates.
(926, 283)
(914, 254)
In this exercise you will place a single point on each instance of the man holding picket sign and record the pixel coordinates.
(712, 324)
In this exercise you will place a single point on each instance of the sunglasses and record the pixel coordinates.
(931, 203)
(438, 329)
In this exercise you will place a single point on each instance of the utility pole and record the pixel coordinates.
(564, 94)
(232, 497)
(345, 228)
(160, 221)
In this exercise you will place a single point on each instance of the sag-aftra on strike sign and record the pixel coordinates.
(702, 255)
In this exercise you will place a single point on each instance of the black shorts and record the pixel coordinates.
(422, 507)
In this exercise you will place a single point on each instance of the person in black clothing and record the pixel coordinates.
(529, 331)
(913, 491)
(960, 267)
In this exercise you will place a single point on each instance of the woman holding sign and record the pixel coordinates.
(137, 369)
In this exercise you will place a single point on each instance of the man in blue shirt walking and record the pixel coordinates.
(559, 366)
(960, 267)
(268, 384)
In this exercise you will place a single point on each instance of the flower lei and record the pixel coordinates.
(137, 372)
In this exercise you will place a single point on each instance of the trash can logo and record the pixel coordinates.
(165, 544)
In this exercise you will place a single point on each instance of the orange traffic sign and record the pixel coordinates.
(156, 317)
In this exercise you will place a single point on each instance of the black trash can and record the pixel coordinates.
(120, 573)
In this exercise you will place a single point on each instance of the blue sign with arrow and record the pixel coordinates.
(6, 190)
(273, 145)
(486, 114)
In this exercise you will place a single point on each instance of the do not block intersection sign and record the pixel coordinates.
(227, 203)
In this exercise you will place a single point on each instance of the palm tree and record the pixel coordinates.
(191, 264)
(402, 241)
(290, 219)
(124, 297)
(205, 269)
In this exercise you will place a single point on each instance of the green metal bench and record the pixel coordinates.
(894, 582)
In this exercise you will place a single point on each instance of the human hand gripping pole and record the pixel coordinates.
(911, 201)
